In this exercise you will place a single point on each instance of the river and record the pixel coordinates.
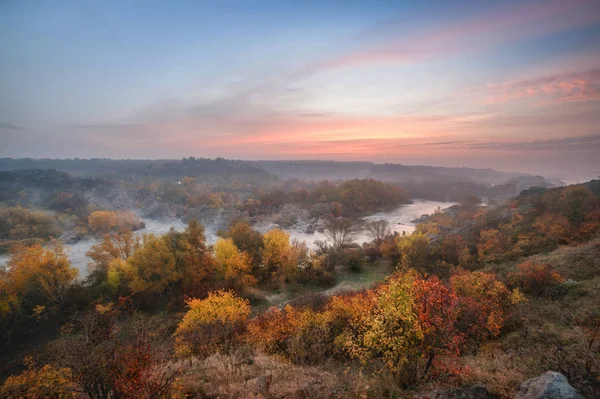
(399, 221)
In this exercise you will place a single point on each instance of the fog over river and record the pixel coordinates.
(399, 220)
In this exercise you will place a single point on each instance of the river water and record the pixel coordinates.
(399, 221)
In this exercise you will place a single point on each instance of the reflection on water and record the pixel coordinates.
(399, 220)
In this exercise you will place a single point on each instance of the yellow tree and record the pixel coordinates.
(247, 239)
(414, 251)
(113, 246)
(278, 256)
(48, 382)
(214, 324)
(234, 264)
(391, 331)
(40, 275)
(151, 267)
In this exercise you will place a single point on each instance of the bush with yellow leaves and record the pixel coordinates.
(214, 324)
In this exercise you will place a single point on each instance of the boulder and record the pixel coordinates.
(550, 385)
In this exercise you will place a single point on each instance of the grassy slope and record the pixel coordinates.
(544, 334)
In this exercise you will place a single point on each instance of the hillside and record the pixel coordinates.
(477, 300)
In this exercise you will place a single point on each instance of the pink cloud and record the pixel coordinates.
(481, 32)
(547, 90)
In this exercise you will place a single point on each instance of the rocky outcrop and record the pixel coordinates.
(550, 385)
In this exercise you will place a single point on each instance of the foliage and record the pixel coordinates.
(415, 251)
(247, 240)
(279, 258)
(47, 382)
(113, 246)
(494, 246)
(151, 268)
(211, 325)
(103, 222)
(19, 223)
(36, 276)
(533, 277)
(235, 265)
(485, 304)
(193, 259)
(110, 362)
(413, 326)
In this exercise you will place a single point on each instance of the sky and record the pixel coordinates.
(511, 85)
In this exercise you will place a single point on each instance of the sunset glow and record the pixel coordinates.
(485, 84)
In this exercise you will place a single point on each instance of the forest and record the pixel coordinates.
(482, 296)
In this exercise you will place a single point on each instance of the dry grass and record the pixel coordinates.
(260, 376)
(500, 372)
(581, 262)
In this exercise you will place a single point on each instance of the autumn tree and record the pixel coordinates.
(151, 268)
(555, 229)
(20, 223)
(113, 246)
(47, 382)
(193, 259)
(247, 240)
(389, 249)
(493, 246)
(210, 325)
(38, 276)
(278, 257)
(415, 251)
(103, 222)
(454, 252)
(485, 303)
(575, 202)
(234, 264)
(411, 327)
(390, 332)
(128, 362)
(534, 277)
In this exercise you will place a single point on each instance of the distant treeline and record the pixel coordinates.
(428, 182)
